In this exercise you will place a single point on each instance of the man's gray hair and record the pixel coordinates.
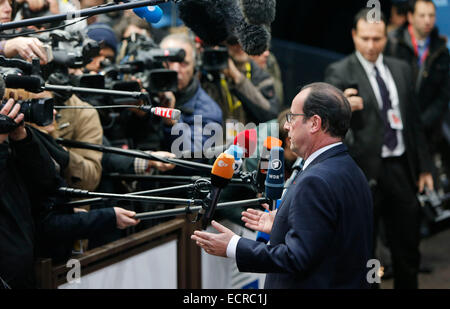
(181, 38)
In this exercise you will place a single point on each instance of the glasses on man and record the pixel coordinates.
(290, 116)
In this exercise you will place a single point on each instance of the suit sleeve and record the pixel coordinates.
(421, 146)
(311, 233)
(59, 226)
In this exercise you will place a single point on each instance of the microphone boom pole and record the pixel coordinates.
(188, 210)
(128, 197)
(132, 153)
(76, 14)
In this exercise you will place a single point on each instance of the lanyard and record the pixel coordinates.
(231, 106)
(422, 58)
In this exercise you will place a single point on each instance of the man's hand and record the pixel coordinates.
(124, 218)
(356, 103)
(12, 111)
(425, 179)
(27, 48)
(258, 220)
(214, 244)
(161, 166)
(233, 72)
(168, 100)
(36, 5)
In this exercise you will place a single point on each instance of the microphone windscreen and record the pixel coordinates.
(222, 170)
(259, 12)
(164, 112)
(247, 140)
(236, 151)
(206, 19)
(29, 83)
(275, 174)
(152, 14)
(254, 39)
(272, 142)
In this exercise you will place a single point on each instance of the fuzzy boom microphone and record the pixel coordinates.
(206, 19)
(259, 12)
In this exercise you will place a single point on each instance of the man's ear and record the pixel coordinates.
(316, 123)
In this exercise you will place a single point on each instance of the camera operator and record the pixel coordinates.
(190, 98)
(27, 176)
(245, 92)
(27, 48)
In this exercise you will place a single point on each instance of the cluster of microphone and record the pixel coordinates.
(226, 168)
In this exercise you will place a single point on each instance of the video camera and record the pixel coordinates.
(38, 111)
(145, 61)
(215, 59)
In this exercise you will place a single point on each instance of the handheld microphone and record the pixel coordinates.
(169, 113)
(237, 152)
(221, 174)
(263, 163)
(247, 140)
(275, 176)
(152, 14)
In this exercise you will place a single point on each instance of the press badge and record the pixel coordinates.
(394, 120)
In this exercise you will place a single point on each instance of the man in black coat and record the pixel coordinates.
(418, 43)
(27, 176)
(386, 140)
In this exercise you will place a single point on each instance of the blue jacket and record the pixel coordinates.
(322, 233)
(202, 105)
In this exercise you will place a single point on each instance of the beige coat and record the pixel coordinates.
(83, 125)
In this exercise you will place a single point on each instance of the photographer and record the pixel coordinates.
(27, 48)
(27, 176)
(190, 98)
(245, 92)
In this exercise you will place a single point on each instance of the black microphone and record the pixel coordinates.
(259, 12)
(221, 174)
(263, 164)
(254, 39)
(275, 176)
(23, 65)
(207, 19)
(31, 83)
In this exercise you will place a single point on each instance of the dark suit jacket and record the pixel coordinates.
(322, 233)
(365, 137)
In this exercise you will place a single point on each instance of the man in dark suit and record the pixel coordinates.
(386, 140)
(321, 235)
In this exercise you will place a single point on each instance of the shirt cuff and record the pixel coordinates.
(232, 246)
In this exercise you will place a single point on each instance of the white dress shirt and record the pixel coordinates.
(385, 74)
(232, 245)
